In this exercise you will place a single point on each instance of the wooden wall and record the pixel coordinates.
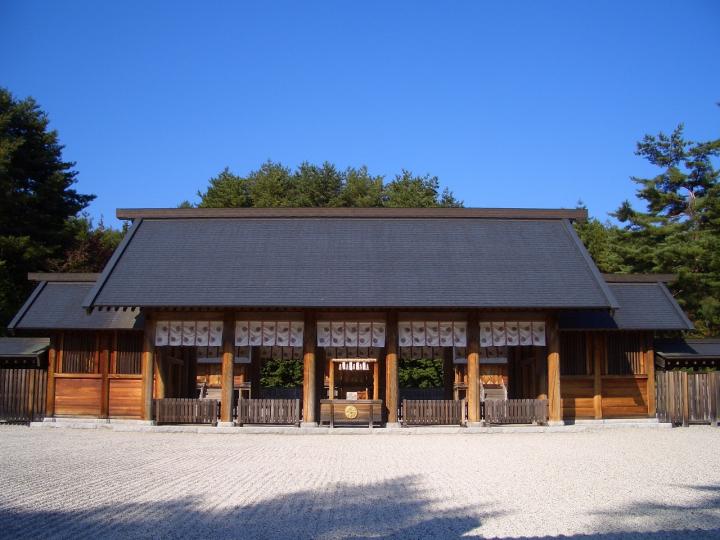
(608, 375)
(91, 374)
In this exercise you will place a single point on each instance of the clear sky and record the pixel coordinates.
(530, 104)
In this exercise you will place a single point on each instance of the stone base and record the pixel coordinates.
(475, 424)
(226, 424)
(393, 425)
(308, 424)
(553, 423)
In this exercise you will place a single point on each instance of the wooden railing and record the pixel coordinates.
(515, 411)
(186, 411)
(688, 398)
(268, 411)
(433, 412)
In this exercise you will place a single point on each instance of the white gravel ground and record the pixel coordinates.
(625, 483)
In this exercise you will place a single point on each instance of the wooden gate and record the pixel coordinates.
(268, 411)
(515, 411)
(433, 412)
(186, 411)
(22, 394)
(688, 398)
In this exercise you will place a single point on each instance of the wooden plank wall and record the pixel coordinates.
(620, 388)
(96, 374)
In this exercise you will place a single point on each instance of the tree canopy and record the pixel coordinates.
(679, 230)
(275, 185)
(37, 200)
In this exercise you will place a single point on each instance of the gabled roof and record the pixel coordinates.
(23, 347)
(372, 258)
(691, 349)
(56, 303)
(643, 306)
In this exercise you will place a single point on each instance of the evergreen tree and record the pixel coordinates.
(680, 230)
(37, 201)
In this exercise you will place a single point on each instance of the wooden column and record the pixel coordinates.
(52, 360)
(228, 361)
(650, 370)
(376, 380)
(553, 362)
(159, 374)
(541, 370)
(448, 372)
(473, 369)
(310, 394)
(392, 385)
(105, 342)
(148, 368)
(596, 341)
(331, 378)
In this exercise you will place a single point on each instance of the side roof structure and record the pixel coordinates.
(56, 303)
(23, 347)
(645, 304)
(335, 258)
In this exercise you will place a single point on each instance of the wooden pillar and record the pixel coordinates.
(55, 343)
(376, 380)
(331, 378)
(541, 370)
(392, 385)
(159, 374)
(596, 341)
(148, 368)
(104, 342)
(650, 370)
(227, 388)
(448, 372)
(473, 369)
(310, 394)
(553, 363)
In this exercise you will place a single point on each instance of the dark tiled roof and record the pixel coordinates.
(22, 347)
(349, 262)
(688, 348)
(643, 306)
(58, 305)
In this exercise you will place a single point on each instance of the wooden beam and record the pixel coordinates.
(148, 368)
(52, 359)
(159, 374)
(473, 368)
(553, 360)
(310, 398)
(650, 370)
(596, 340)
(392, 385)
(228, 362)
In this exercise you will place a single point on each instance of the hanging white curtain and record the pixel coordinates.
(432, 333)
(269, 333)
(188, 333)
(350, 334)
(512, 334)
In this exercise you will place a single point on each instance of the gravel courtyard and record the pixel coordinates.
(630, 483)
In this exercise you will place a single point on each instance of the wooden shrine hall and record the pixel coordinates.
(195, 303)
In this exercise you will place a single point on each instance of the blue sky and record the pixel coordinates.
(529, 104)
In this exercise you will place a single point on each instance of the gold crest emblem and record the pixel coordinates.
(351, 412)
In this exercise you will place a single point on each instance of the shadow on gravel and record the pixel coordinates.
(671, 519)
(392, 509)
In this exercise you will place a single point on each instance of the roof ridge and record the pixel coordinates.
(578, 214)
